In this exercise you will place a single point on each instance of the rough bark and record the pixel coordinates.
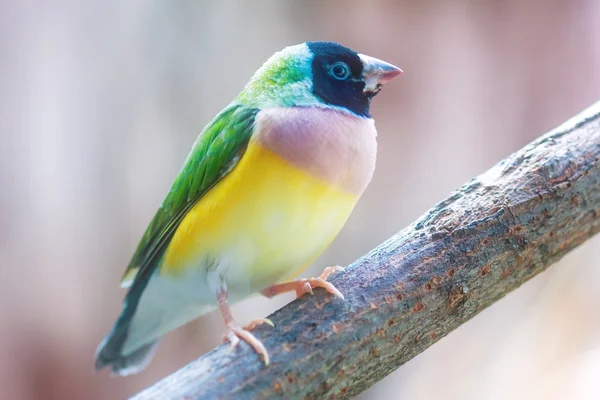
(490, 236)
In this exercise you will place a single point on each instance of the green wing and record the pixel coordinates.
(214, 154)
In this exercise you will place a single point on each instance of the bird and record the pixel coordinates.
(267, 186)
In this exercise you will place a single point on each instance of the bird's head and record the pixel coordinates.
(321, 74)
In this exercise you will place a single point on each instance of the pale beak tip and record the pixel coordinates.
(393, 72)
(378, 70)
(387, 74)
(376, 73)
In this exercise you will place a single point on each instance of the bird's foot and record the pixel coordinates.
(235, 333)
(307, 285)
(258, 321)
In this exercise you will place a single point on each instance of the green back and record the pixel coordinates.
(214, 154)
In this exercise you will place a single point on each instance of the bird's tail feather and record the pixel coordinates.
(110, 353)
(127, 364)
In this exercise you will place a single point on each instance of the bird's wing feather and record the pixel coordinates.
(214, 154)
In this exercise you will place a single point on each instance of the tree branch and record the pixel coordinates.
(490, 236)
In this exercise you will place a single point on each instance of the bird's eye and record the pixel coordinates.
(339, 70)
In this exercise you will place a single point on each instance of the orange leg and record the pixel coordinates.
(302, 286)
(235, 332)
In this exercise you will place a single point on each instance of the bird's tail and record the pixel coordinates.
(110, 352)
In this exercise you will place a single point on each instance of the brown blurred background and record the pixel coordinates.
(101, 101)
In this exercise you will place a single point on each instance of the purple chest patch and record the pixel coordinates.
(333, 145)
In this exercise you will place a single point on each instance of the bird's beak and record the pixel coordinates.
(376, 73)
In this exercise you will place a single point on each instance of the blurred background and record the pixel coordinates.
(101, 101)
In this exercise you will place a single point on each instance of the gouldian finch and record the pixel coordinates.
(267, 186)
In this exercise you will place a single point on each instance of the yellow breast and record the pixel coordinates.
(266, 220)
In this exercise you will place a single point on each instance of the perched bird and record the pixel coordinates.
(267, 186)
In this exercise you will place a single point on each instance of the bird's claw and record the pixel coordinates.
(258, 321)
(307, 285)
(330, 270)
(236, 332)
(303, 286)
